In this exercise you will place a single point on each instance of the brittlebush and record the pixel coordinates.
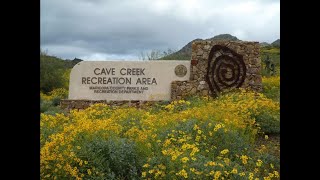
(202, 138)
(271, 87)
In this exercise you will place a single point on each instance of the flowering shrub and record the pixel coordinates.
(271, 87)
(55, 96)
(202, 138)
(49, 102)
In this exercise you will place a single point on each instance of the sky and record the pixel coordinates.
(122, 30)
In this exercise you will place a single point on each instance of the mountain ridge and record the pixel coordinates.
(185, 51)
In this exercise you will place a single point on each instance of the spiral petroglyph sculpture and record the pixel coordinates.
(226, 69)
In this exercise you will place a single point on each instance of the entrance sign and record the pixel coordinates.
(126, 80)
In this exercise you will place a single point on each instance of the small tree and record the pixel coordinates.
(43, 52)
(155, 54)
(142, 56)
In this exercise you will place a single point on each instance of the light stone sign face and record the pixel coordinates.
(126, 80)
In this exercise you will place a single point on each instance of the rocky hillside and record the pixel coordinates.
(276, 43)
(54, 72)
(264, 44)
(185, 52)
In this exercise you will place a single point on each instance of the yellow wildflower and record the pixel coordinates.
(234, 171)
(167, 142)
(272, 166)
(164, 152)
(226, 160)
(194, 150)
(146, 165)
(217, 174)
(184, 159)
(251, 176)
(174, 157)
(259, 163)
(244, 159)
(161, 166)
(89, 172)
(271, 175)
(151, 171)
(225, 151)
(182, 173)
(198, 138)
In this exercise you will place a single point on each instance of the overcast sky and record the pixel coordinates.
(116, 30)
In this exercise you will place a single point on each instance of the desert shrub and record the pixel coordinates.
(45, 105)
(57, 95)
(51, 73)
(49, 107)
(54, 72)
(271, 87)
(269, 122)
(51, 124)
(52, 110)
(200, 138)
(112, 158)
(49, 103)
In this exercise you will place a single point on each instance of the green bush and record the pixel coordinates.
(271, 87)
(49, 104)
(52, 110)
(114, 158)
(269, 122)
(57, 95)
(53, 73)
(45, 105)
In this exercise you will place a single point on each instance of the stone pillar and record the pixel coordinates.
(218, 66)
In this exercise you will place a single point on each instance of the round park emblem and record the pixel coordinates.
(180, 70)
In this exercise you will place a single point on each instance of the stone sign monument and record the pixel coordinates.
(218, 66)
(215, 66)
(126, 80)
